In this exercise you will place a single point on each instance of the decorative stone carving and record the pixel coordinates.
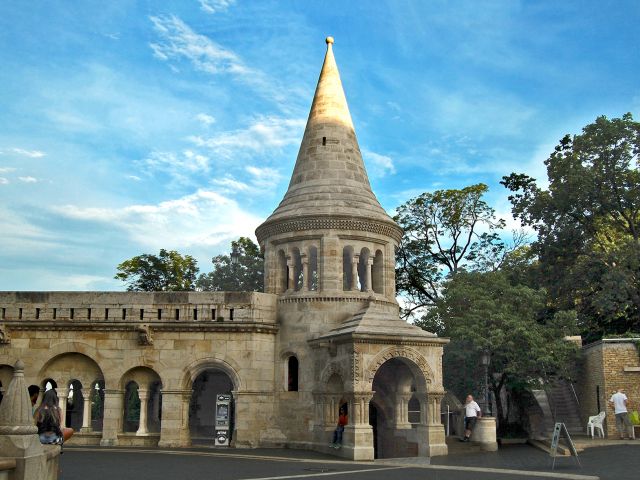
(400, 352)
(145, 337)
(267, 230)
(331, 369)
(5, 336)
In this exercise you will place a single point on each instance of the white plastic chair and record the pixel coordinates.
(595, 422)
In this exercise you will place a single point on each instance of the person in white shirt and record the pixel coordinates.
(623, 423)
(471, 413)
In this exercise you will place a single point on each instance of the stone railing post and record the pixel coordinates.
(143, 429)
(86, 412)
(368, 282)
(19, 436)
(63, 395)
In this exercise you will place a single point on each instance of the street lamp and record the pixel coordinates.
(485, 360)
(235, 254)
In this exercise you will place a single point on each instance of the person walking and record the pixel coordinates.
(619, 401)
(472, 412)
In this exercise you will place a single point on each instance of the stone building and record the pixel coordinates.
(608, 365)
(145, 368)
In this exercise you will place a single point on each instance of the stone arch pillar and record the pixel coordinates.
(112, 417)
(174, 429)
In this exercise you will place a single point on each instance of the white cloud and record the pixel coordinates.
(135, 178)
(4, 181)
(6, 169)
(203, 219)
(213, 6)
(379, 165)
(28, 179)
(265, 132)
(264, 177)
(206, 119)
(179, 41)
(180, 166)
(231, 184)
(28, 153)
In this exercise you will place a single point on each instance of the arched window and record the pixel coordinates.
(377, 273)
(131, 408)
(312, 283)
(297, 269)
(97, 405)
(413, 409)
(292, 374)
(347, 268)
(75, 405)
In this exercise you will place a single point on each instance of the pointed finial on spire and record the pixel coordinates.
(329, 40)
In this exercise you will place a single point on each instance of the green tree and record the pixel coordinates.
(588, 224)
(443, 231)
(241, 271)
(485, 312)
(167, 271)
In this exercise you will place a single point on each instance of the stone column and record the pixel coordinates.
(143, 394)
(367, 279)
(112, 417)
(431, 435)
(358, 434)
(291, 268)
(305, 272)
(174, 429)
(63, 394)
(354, 273)
(402, 410)
(86, 411)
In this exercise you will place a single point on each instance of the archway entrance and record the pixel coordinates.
(398, 384)
(202, 408)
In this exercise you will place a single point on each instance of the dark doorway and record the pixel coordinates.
(202, 408)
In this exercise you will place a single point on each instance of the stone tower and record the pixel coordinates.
(330, 257)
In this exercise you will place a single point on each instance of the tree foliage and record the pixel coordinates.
(244, 273)
(485, 311)
(167, 271)
(443, 231)
(588, 224)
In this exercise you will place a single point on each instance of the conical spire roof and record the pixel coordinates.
(329, 177)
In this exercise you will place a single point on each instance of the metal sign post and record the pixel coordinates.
(557, 431)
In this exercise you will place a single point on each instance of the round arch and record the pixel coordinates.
(413, 359)
(193, 370)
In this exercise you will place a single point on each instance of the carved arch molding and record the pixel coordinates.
(399, 352)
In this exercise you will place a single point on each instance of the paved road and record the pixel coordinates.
(510, 463)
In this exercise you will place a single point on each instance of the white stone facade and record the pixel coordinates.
(144, 368)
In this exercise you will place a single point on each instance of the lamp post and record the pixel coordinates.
(235, 254)
(485, 360)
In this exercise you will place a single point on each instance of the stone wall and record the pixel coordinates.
(170, 338)
(609, 364)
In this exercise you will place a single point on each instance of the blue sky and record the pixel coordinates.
(126, 127)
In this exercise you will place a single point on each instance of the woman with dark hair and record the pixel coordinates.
(47, 417)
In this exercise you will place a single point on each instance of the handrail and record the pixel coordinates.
(574, 393)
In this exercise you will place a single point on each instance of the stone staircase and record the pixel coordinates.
(564, 406)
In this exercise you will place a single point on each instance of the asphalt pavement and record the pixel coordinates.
(515, 462)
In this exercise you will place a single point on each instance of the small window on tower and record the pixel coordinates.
(292, 374)
(324, 140)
